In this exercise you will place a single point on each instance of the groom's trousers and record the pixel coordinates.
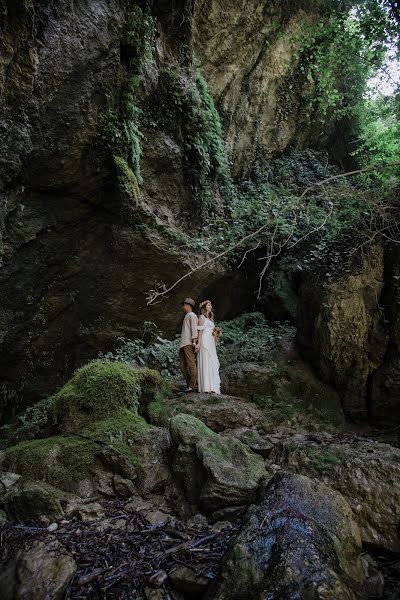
(187, 363)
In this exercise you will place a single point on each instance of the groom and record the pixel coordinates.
(187, 359)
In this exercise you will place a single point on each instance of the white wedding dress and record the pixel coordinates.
(207, 361)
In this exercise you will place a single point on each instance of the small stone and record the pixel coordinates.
(156, 594)
(221, 525)
(156, 516)
(84, 511)
(230, 511)
(52, 527)
(137, 503)
(158, 578)
(198, 520)
(123, 487)
(186, 580)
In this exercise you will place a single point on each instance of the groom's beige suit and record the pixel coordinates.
(187, 358)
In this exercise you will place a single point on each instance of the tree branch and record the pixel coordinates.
(156, 295)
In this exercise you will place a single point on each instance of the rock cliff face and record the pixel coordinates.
(77, 252)
(99, 99)
(250, 58)
(348, 329)
(110, 160)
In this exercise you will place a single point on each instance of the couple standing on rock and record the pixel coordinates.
(199, 336)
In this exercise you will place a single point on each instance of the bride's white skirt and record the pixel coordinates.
(208, 369)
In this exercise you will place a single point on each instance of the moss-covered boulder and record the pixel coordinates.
(41, 570)
(99, 390)
(104, 457)
(65, 460)
(34, 500)
(214, 471)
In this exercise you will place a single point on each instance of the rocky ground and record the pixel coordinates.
(116, 487)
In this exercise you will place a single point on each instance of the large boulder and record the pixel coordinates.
(112, 457)
(41, 571)
(301, 541)
(217, 412)
(250, 380)
(214, 471)
(33, 500)
(340, 327)
(287, 390)
(367, 473)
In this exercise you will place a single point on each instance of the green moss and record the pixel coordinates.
(127, 180)
(63, 460)
(125, 421)
(121, 431)
(158, 412)
(58, 460)
(188, 429)
(323, 461)
(182, 100)
(99, 390)
(33, 500)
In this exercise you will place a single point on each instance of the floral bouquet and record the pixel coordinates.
(217, 332)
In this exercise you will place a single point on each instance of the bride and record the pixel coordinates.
(207, 363)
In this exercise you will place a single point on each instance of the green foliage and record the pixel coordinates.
(100, 389)
(36, 416)
(140, 35)
(323, 461)
(127, 179)
(180, 99)
(379, 134)
(120, 126)
(250, 338)
(338, 53)
(272, 202)
(131, 127)
(158, 353)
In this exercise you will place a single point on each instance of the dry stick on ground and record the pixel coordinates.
(161, 289)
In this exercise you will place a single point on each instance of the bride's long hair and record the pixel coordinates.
(203, 310)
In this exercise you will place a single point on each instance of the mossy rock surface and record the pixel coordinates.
(34, 499)
(99, 390)
(215, 471)
(64, 460)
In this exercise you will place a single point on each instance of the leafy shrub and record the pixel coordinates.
(160, 354)
(251, 338)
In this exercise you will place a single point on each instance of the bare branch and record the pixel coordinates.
(160, 291)
(246, 253)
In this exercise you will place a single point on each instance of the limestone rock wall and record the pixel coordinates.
(348, 329)
(249, 55)
(77, 255)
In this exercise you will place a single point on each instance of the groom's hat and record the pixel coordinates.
(189, 301)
